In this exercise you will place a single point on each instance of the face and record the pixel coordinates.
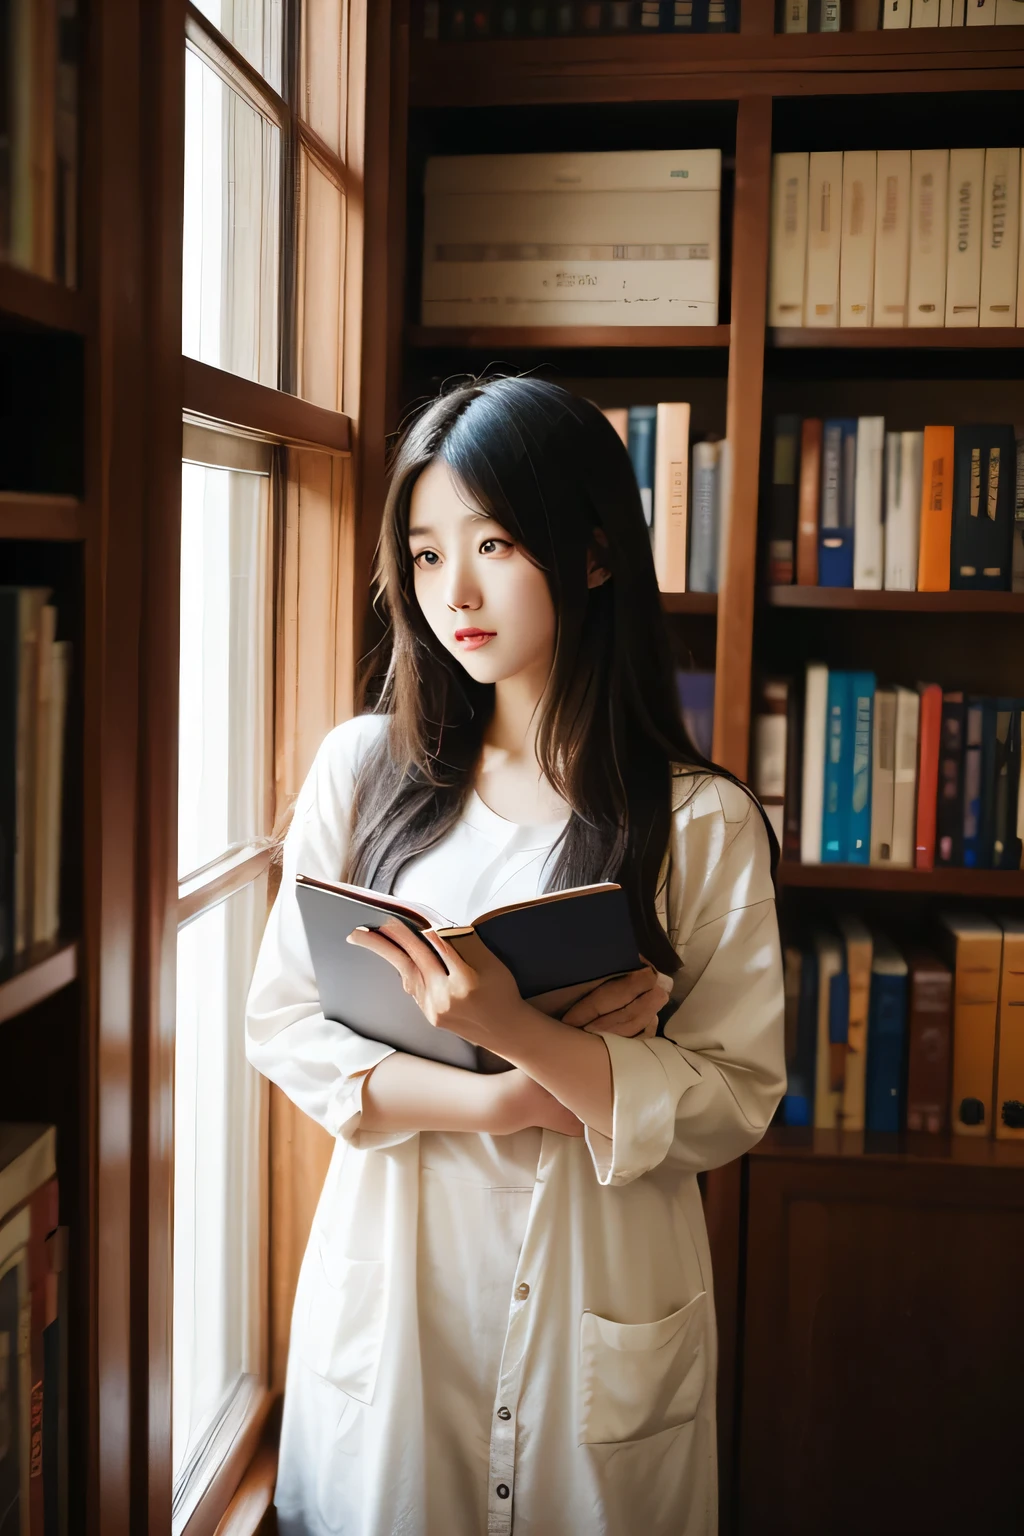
(483, 598)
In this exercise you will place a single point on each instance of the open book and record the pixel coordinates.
(558, 947)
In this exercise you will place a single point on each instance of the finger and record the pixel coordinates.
(609, 997)
(377, 944)
(635, 1019)
(423, 955)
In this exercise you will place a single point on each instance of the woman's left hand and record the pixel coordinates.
(627, 1005)
(476, 999)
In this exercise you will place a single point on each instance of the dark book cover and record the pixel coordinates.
(887, 1020)
(9, 666)
(836, 508)
(972, 783)
(794, 776)
(684, 15)
(798, 1103)
(722, 16)
(949, 819)
(984, 493)
(1003, 848)
(929, 1043)
(785, 495)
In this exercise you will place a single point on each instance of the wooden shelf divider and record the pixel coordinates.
(41, 975)
(41, 517)
(883, 337)
(690, 602)
(1002, 883)
(31, 298)
(558, 337)
(852, 598)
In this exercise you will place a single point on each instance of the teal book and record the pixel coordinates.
(862, 709)
(835, 820)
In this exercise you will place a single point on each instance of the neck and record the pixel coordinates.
(513, 725)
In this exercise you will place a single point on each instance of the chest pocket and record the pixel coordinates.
(340, 1320)
(637, 1379)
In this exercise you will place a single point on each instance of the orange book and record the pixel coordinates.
(974, 949)
(936, 511)
(929, 735)
(671, 483)
(1009, 1115)
(807, 506)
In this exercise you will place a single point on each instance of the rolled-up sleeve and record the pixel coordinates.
(705, 1091)
(321, 1065)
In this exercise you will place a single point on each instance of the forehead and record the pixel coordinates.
(439, 500)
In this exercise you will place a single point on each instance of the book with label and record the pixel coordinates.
(858, 828)
(929, 178)
(904, 452)
(1000, 232)
(792, 795)
(973, 947)
(887, 1023)
(785, 470)
(1009, 1117)
(896, 14)
(836, 507)
(868, 536)
(973, 723)
(883, 774)
(949, 808)
(833, 1006)
(838, 770)
(929, 747)
(858, 943)
(671, 466)
(789, 238)
(965, 204)
(824, 232)
(705, 517)
(808, 501)
(980, 13)
(813, 779)
(892, 238)
(924, 13)
(857, 246)
(802, 1056)
(984, 492)
(936, 531)
(929, 1042)
(904, 795)
(770, 744)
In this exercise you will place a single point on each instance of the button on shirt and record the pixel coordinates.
(497, 1334)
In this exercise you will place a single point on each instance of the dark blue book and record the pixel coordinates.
(640, 441)
(838, 770)
(838, 489)
(984, 494)
(862, 704)
(999, 845)
(887, 1033)
(972, 783)
(798, 1103)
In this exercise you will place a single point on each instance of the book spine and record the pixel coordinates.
(824, 231)
(972, 783)
(999, 238)
(1017, 558)
(831, 16)
(807, 505)
(838, 481)
(949, 827)
(9, 671)
(980, 13)
(895, 14)
(986, 807)
(1006, 847)
(929, 180)
(963, 246)
(975, 1015)
(936, 510)
(794, 16)
(802, 1073)
(862, 698)
(838, 771)
(886, 1026)
(892, 238)
(928, 776)
(984, 493)
(857, 246)
(1020, 235)
(858, 969)
(671, 460)
(1010, 13)
(924, 13)
(770, 745)
(782, 535)
(905, 778)
(903, 511)
(44, 763)
(827, 1099)
(868, 526)
(1009, 1116)
(640, 440)
(794, 772)
(883, 768)
(704, 518)
(866, 15)
(813, 781)
(929, 1046)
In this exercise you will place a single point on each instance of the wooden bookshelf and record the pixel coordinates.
(690, 602)
(784, 1141)
(851, 599)
(25, 297)
(558, 337)
(39, 976)
(54, 518)
(883, 338)
(978, 884)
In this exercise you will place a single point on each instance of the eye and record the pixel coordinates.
(496, 546)
(427, 559)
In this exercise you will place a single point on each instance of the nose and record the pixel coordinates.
(463, 592)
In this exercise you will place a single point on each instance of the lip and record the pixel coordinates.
(473, 639)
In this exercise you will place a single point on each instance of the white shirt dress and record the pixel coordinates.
(498, 1334)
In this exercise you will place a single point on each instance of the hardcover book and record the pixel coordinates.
(929, 179)
(887, 1023)
(929, 1043)
(973, 947)
(984, 493)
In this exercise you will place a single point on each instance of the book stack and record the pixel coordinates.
(453, 21)
(896, 237)
(34, 668)
(39, 138)
(683, 510)
(33, 1334)
(930, 511)
(897, 777)
(871, 15)
(925, 1036)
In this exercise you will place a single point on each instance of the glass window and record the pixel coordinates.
(321, 285)
(254, 28)
(230, 260)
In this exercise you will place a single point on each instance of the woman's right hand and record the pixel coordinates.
(520, 1103)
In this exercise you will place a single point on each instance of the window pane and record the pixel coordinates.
(217, 1177)
(231, 229)
(223, 768)
(321, 285)
(324, 65)
(254, 28)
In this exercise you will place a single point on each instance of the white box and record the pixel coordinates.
(789, 239)
(824, 229)
(895, 13)
(980, 13)
(627, 238)
(892, 237)
(963, 247)
(857, 248)
(999, 237)
(929, 178)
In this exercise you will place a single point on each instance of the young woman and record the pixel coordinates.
(504, 1320)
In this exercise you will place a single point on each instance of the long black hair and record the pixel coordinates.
(553, 472)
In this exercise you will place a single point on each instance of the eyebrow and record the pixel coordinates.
(423, 531)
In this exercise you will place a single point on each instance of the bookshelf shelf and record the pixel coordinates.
(521, 337)
(27, 297)
(690, 602)
(43, 973)
(783, 1141)
(1004, 883)
(983, 337)
(41, 517)
(851, 599)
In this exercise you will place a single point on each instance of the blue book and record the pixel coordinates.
(972, 782)
(887, 1032)
(862, 708)
(838, 770)
(704, 516)
(640, 442)
(838, 490)
(798, 1101)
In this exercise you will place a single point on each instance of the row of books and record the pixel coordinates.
(856, 506)
(34, 668)
(454, 21)
(33, 1335)
(871, 15)
(39, 137)
(896, 237)
(927, 1035)
(683, 510)
(899, 777)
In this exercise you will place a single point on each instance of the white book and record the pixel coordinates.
(883, 767)
(924, 13)
(895, 13)
(1000, 233)
(824, 230)
(857, 246)
(951, 13)
(789, 239)
(963, 244)
(829, 16)
(671, 494)
(904, 453)
(868, 528)
(1010, 13)
(892, 238)
(812, 803)
(980, 13)
(929, 178)
(904, 795)
(795, 19)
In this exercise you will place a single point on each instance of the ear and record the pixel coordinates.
(597, 572)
